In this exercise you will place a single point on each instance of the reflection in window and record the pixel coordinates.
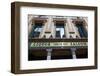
(37, 28)
(60, 30)
(82, 31)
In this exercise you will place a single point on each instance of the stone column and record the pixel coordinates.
(49, 54)
(85, 23)
(30, 25)
(53, 30)
(48, 27)
(71, 28)
(49, 23)
(66, 30)
(73, 53)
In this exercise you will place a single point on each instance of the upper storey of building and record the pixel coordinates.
(47, 26)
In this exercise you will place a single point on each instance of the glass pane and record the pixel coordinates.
(82, 30)
(60, 30)
(36, 30)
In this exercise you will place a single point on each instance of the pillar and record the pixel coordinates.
(71, 28)
(30, 24)
(73, 53)
(49, 54)
(85, 23)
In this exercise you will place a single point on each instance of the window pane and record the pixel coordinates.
(60, 30)
(81, 30)
(37, 28)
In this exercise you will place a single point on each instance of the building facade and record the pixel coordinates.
(41, 26)
(57, 27)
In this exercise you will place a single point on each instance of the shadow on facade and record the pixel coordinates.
(41, 54)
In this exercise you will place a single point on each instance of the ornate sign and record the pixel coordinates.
(58, 44)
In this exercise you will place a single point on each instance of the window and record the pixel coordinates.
(82, 31)
(37, 28)
(60, 30)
